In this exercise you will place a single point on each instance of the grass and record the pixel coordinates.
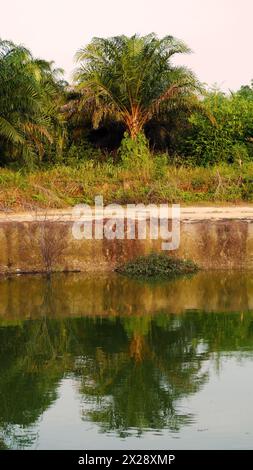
(63, 186)
(157, 266)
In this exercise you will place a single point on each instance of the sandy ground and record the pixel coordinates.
(187, 213)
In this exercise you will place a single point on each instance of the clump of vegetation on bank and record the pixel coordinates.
(157, 265)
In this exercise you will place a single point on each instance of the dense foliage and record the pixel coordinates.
(229, 136)
(30, 96)
(129, 105)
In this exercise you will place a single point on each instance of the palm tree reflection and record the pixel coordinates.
(132, 371)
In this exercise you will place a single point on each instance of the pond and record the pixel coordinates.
(105, 362)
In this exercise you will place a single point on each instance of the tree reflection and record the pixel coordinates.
(132, 371)
(138, 386)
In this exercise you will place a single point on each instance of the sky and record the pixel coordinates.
(219, 32)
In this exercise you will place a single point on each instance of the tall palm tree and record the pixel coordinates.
(28, 102)
(132, 79)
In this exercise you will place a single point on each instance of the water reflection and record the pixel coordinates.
(130, 353)
(77, 295)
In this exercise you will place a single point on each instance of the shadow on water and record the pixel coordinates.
(134, 350)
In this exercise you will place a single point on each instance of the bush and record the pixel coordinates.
(221, 134)
(157, 266)
(81, 152)
(135, 154)
(160, 165)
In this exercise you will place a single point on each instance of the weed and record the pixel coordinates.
(157, 266)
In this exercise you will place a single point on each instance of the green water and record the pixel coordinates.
(105, 362)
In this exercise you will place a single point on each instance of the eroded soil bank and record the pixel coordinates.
(212, 237)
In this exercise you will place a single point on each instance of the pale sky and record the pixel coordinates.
(219, 32)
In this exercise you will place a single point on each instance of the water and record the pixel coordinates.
(105, 362)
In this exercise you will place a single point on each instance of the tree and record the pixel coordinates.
(132, 79)
(246, 91)
(229, 136)
(29, 102)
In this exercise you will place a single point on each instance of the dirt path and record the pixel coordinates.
(187, 213)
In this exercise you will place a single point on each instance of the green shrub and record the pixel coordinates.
(239, 153)
(157, 265)
(135, 154)
(81, 152)
(160, 165)
(222, 133)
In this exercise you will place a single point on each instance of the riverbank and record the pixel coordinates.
(64, 186)
(188, 213)
(42, 241)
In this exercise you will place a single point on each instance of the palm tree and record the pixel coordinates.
(132, 79)
(28, 102)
